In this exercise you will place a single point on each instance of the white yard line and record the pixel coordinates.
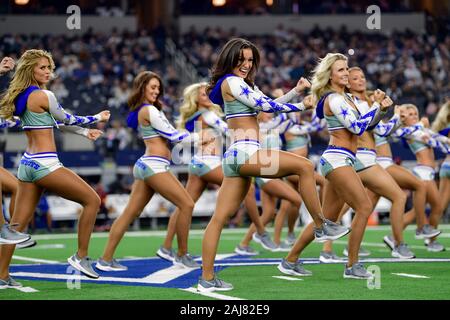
(418, 276)
(35, 260)
(211, 294)
(223, 264)
(287, 278)
(49, 246)
(162, 233)
(27, 289)
(151, 233)
(382, 245)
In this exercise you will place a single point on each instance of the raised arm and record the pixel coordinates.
(160, 123)
(305, 127)
(57, 111)
(7, 64)
(287, 97)
(273, 123)
(214, 121)
(385, 129)
(347, 118)
(295, 92)
(318, 123)
(9, 123)
(258, 101)
(437, 136)
(406, 132)
(423, 136)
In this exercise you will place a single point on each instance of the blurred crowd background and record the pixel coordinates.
(95, 69)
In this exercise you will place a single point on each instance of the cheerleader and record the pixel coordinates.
(198, 112)
(232, 85)
(151, 171)
(40, 168)
(345, 124)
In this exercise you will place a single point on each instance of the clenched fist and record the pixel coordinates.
(302, 84)
(6, 65)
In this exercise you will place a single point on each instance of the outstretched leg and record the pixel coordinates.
(231, 194)
(139, 197)
(406, 180)
(194, 187)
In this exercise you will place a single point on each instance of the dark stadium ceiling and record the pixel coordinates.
(211, 7)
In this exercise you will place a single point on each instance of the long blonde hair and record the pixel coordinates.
(322, 73)
(190, 104)
(442, 118)
(22, 79)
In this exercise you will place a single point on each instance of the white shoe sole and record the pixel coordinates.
(243, 253)
(79, 268)
(434, 250)
(292, 273)
(396, 255)
(164, 256)
(6, 241)
(388, 243)
(428, 236)
(357, 278)
(107, 269)
(262, 243)
(332, 238)
(212, 289)
(178, 264)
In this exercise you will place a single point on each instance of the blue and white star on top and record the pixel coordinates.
(385, 129)
(350, 120)
(58, 112)
(257, 100)
(245, 91)
(344, 112)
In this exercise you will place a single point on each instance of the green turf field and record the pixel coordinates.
(398, 280)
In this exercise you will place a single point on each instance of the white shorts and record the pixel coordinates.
(147, 166)
(425, 173)
(202, 164)
(335, 157)
(365, 158)
(385, 162)
(260, 182)
(237, 154)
